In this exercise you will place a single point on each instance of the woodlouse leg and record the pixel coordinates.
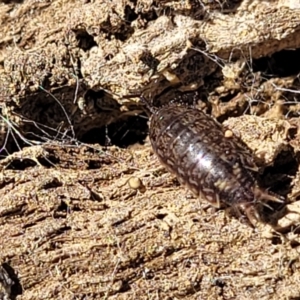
(213, 200)
(245, 213)
(252, 215)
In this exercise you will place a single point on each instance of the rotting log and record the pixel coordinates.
(72, 225)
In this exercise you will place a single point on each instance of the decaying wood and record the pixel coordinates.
(81, 221)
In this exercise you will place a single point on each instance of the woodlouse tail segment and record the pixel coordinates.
(265, 196)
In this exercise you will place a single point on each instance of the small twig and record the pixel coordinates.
(63, 109)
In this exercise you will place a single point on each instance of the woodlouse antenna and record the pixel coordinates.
(144, 100)
(147, 103)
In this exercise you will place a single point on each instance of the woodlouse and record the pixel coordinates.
(215, 165)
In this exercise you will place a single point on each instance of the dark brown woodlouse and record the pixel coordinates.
(209, 160)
